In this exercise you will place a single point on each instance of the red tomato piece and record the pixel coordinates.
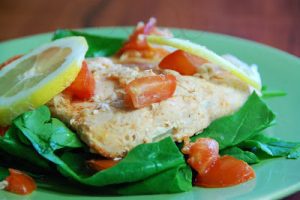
(99, 165)
(203, 154)
(127, 101)
(83, 87)
(136, 43)
(147, 90)
(19, 182)
(3, 130)
(182, 62)
(10, 60)
(227, 171)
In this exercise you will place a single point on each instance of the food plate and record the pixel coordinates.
(276, 178)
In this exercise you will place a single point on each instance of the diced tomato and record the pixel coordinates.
(147, 90)
(137, 48)
(84, 85)
(137, 43)
(203, 154)
(99, 165)
(3, 130)
(127, 101)
(213, 170)
(10, 60)
(182, 62)
(227, 171)
(19, 182)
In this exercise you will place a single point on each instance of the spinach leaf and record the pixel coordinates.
(240, 154)
(3, 173)
(141, 163)
(271, 93)
(231, 130)
(240, 134)
(98, 45)
(11, 144)
(176, 179)
(271, 146)
(294, 153)
(52, 132)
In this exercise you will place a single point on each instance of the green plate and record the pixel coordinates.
(276, 178)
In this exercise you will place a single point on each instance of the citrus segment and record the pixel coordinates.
(37, 77)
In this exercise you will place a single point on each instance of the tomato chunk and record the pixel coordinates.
(203, 154)
(10, 60)
(213, 170)
(3, 130)
(227, 171)
(99, 165)
(147, 90)
(182, 62)
(135, 42)
(137, 48)
(19, 182)
(84, 85)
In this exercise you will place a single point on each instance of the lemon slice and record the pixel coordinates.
(243, 74)
(38, 76)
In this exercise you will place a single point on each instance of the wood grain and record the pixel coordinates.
(272, 22)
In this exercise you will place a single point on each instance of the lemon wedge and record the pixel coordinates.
(38, 76)
(243, 74)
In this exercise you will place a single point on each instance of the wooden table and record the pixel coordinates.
(272, 22)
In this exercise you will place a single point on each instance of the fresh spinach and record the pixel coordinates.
(147, 163)
(98, 45)
(241, 136)
(3, 173)
(170, 181)
(11, 144)
(240, 154)
(271, 93)
(294, 153)
(272, 146)
(253, 117)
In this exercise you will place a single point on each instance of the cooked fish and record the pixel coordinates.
(111, 129)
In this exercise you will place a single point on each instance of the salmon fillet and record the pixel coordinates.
(111, 129)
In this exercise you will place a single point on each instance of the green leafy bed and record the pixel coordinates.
(44, 147)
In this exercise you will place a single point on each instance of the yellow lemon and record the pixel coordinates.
(38, 76)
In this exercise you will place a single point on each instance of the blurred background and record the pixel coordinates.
(272, 22)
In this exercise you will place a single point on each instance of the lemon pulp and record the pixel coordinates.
(37, 77)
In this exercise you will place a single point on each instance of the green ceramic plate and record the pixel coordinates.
(276, 178)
